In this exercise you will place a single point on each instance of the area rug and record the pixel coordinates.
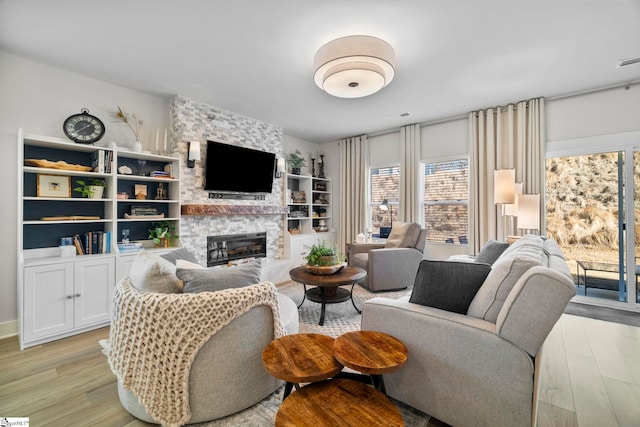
(339, 318)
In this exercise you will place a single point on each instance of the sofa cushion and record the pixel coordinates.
(403, 235)
(180, 253)
(152, 273)
(448, 285)
(218, 278)
(505, 272)
(491, 251)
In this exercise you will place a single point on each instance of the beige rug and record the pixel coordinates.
(339, 318)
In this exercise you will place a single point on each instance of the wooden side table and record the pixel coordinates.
(338, 402)
(370, 352)
(300, 358)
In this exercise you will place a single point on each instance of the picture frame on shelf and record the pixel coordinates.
(140, 191)
(53, 185)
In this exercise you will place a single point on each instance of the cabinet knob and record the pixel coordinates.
(69, 296)
(76, 295)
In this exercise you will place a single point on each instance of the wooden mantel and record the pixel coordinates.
(225, 210)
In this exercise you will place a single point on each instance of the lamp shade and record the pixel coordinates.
(354, 66)
(504, 181)
(384, 205)
(511, 209)
(529, 211)
(194, 150)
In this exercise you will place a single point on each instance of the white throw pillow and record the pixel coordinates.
(152, 273)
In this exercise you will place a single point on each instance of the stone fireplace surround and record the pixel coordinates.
(201, 216)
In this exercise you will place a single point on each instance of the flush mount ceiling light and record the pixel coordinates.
(354, 66)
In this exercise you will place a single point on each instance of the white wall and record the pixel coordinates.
(39, 98)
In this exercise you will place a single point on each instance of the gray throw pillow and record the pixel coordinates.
(491, 251)
(219, 278)
(448, 285)
(181, 253)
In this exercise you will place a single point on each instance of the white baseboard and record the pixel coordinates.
(8, 329)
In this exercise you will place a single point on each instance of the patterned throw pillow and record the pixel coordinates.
(152, 273)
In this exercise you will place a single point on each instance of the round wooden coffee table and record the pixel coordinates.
(338, 402)
(370, 352)
(300, 358)
(326, 288)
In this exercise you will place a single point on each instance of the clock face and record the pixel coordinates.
(83, 128)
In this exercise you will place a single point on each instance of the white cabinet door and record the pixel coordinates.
(124, 266)
(296, 249)
(94, 284)
(48, 300)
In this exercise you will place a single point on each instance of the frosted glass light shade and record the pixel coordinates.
(511, 209)
(529, 211)
(354, 66)
(504, 181)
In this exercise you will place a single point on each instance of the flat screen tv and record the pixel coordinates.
(233, 168)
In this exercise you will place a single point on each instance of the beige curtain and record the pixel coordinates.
(510, 137)
(410, 174)
(354, 160)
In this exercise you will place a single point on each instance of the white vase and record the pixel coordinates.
(137, 146)
(96, 191)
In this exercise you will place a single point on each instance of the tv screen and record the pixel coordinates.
(232, 168)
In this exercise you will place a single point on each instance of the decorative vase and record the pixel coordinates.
(163, 243)
(137, 146)
(295, 171)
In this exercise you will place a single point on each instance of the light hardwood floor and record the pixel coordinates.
(589, 377)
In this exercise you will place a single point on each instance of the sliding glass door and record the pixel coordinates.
(586, 199)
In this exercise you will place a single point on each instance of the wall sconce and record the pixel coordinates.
(193, 153)
(279, 166)
(529, 211)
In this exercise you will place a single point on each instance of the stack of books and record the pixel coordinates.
(93, 242)
(160, 174)
(129, 247)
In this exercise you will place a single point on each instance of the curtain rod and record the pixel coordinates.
(554, 98)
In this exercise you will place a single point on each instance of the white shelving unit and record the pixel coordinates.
(310, 210)
(61, 296)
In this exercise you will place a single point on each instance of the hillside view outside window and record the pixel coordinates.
(446, 201)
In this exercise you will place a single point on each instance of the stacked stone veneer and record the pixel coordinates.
(194, 121)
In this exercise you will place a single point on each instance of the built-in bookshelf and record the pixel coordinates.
(69, 255)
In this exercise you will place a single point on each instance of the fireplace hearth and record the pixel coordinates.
(223, 249)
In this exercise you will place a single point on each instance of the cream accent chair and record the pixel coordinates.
(392, 265)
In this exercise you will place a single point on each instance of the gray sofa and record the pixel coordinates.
(478, 368)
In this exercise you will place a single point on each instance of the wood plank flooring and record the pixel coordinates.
(590, 376)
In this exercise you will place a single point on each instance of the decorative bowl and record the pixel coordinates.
(325, 270)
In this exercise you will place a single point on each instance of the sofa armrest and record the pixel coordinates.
(533, 307)
(392, 265)
(458, 370)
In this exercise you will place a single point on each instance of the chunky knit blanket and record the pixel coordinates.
(155, 337)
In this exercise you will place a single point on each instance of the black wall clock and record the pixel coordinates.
(83, 128)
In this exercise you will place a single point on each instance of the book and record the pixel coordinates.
(78, 244)
(97, 161)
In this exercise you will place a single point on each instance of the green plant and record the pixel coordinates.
(296, 160)
(323, 255)
(87, 188)
(163, 230)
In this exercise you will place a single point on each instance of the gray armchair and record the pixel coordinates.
(392, 265)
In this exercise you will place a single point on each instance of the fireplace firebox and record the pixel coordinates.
(231, 247)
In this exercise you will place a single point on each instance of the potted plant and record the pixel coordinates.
(296, 161)
(93, 188)
(323, 259)
(162, 233)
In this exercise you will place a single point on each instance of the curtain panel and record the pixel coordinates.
(510, 137)
(354, 165)
(410, 174)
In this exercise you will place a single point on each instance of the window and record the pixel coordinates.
(446, 201)
(384, 184)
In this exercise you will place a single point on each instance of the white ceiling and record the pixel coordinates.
(255, 57)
